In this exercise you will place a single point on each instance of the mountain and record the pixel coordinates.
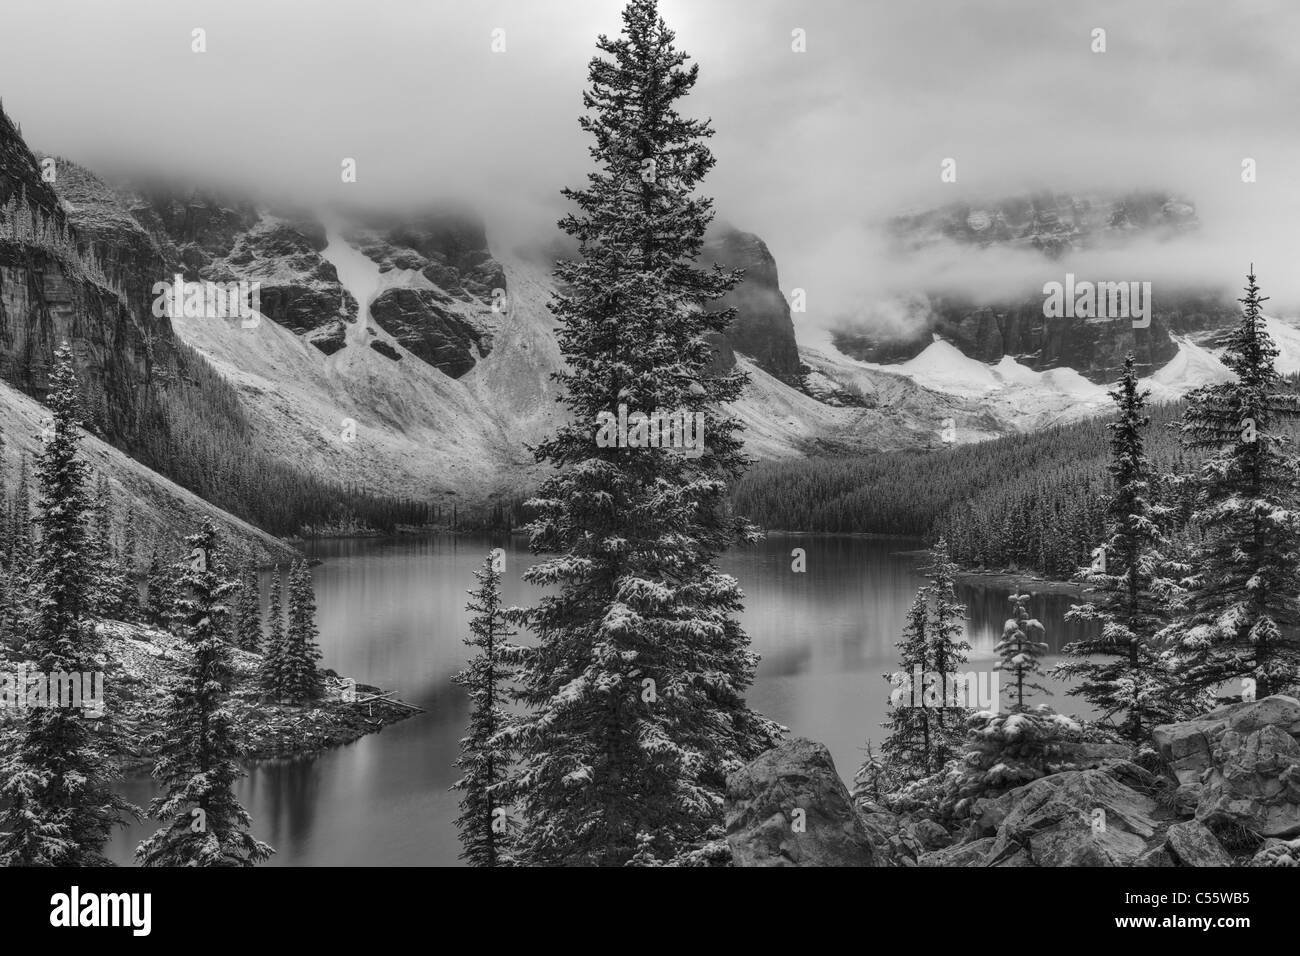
(403, 361)
(1057, 228)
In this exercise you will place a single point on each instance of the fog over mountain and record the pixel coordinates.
(815, 150)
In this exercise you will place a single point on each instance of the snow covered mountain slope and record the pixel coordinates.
(161, 510)
(393, 425)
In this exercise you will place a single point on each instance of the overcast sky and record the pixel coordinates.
(813, 148)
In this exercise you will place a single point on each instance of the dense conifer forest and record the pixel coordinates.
(1033, 501)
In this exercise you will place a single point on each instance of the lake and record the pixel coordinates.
(392, 613)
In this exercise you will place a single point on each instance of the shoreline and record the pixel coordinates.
(142, 659)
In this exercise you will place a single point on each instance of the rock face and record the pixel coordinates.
(453, 248)
(1055, 226)
(762, 328)
(762, 822)
(421, 322)
(1051, 223)
(91, 288)
(452, 286)
(1076, 818)
(1192, 844)
(1239, 764)
(299, 289)
(1243, 759)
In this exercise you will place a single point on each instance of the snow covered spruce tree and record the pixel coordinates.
(636, 684)
(271, 674)
(484, 761)
(1019, 651)
(198, 750)
(907, 750)
(56, 804)
(1122, 673)
(948, 651)
(301, 681)
(927, 716)
(1242, 606)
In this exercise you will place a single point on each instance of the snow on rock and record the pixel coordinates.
(1287, 337)
(1192, 367)
(944, 367)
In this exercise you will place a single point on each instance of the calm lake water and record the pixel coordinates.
(392, 613)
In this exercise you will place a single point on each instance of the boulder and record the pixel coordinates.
(1187, 747)
(761, 811)
(930, 834)
(1054, 822)
(1255, 783)
(959, 854)
(1277, 853)
(329, 338)
(1156, 856)
(1192, 844)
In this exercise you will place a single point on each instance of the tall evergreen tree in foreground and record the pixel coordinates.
(1242, 606)
(56, 805)
(1020, 649)
(198, 751)
(484, 761)
(1121, 673)
(301, 682)
(636, 684)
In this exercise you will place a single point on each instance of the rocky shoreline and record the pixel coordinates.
(139, 660)
(1220, 790)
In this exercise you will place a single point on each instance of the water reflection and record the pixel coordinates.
(391, 613)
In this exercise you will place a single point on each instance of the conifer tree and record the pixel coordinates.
(109, 586)
(907, 749)
(57, 806)
(301, 682)
(22, 521)
(635, 687)
(159, 584)
(198, 749)
(1122, 673)
(484, 760)
(249, 613)
(948, 650)
(1242, 607)
(131, 609)
(1020, 649)
(272, 672)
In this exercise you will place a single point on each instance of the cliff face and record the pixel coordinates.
(1055, 226)
(77, 266)
(443, 285)
(762, 328)
(70, 272)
